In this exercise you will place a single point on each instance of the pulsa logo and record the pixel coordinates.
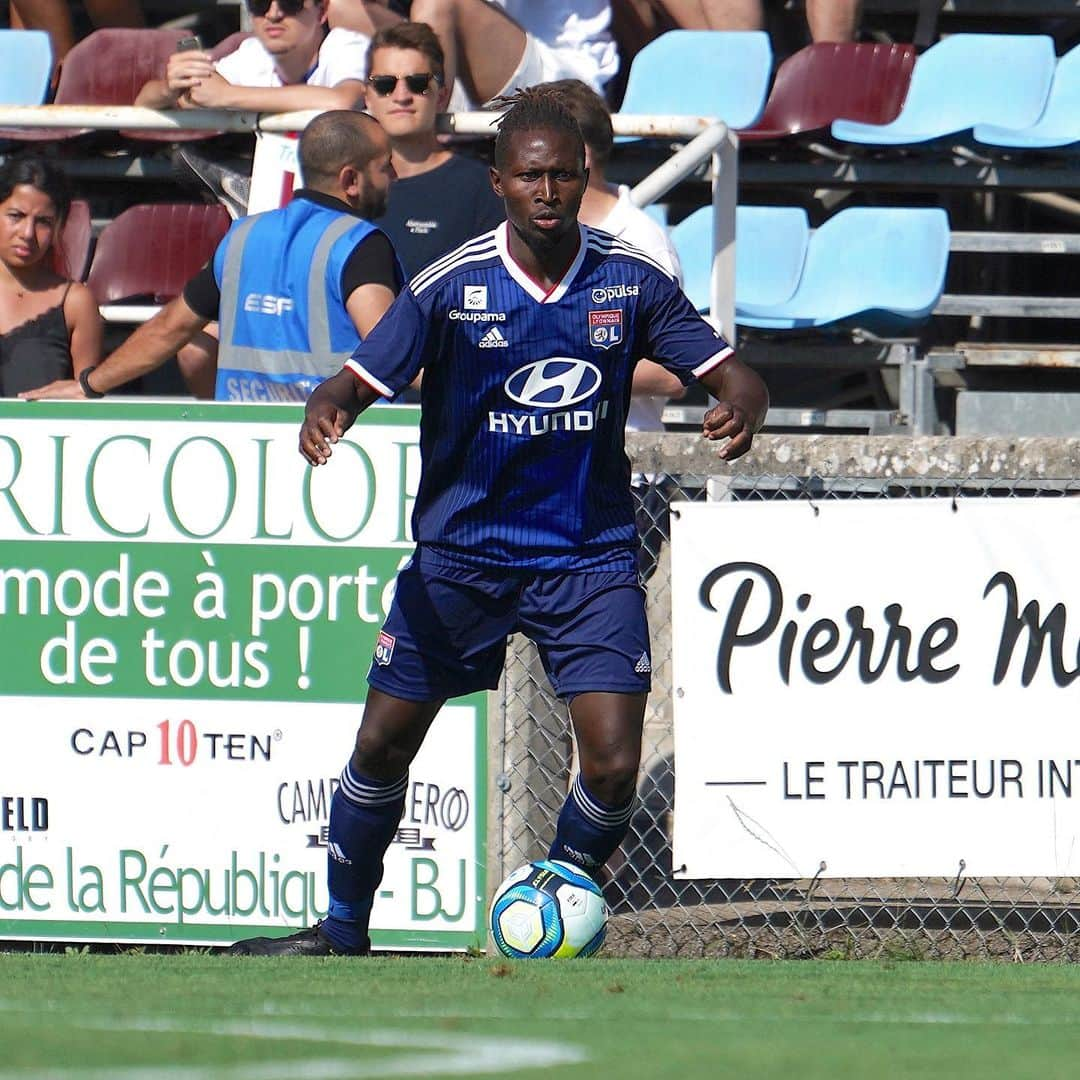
(555, 383)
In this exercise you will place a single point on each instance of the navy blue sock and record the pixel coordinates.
(589, 831)
(364, 815)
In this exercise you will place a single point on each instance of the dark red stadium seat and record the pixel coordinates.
(826, 82)
(110, 67)
(73, 251)
(152, 250)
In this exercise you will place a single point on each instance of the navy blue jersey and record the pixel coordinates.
(525, 393)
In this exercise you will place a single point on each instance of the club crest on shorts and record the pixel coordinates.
(384, 648)
(605, 328)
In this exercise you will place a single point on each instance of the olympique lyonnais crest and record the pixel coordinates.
(384, 648)
(605, 328)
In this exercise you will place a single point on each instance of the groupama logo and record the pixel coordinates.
(555, 383)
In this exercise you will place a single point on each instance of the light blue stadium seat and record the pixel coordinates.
(701, 72)
(1059, 124)
(25, 66)
(964, 80)
(864, 259)
(770, 248)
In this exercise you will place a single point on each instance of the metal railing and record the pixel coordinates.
(705, 138)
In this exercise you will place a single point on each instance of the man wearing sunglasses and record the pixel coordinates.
(440, 199)
(291, 62)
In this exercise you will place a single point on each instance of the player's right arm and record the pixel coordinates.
(331, 410)
(384, 363)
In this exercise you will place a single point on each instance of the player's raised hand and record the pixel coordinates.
(726, 420)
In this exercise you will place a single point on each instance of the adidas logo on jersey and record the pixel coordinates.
(493, 339)
(643, 666)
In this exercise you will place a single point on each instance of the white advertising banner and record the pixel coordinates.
(187, 613)
(876, 688)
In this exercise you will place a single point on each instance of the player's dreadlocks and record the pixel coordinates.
(531, 108)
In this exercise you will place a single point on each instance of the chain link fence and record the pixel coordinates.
(656, 914)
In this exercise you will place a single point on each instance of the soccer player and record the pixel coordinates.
(527, 337)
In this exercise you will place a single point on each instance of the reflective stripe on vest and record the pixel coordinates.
(278, 364)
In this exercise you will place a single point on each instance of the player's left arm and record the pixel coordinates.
(690, 348)
(742, 402)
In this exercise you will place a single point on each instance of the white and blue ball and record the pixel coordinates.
(548, 909)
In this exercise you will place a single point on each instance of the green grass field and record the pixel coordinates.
(199, 1016)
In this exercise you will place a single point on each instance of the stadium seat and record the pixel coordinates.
(864, 259)
(1059, 124)
(863, 81)
(964, 80)
(73, 251)
(110, 67)
(152, 250)
(26, 64)
(770, 249)
(701, 72)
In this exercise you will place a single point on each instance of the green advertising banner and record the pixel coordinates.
(187, 615)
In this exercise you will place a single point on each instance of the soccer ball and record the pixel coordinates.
(548, 908)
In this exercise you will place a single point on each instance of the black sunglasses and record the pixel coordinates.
(384, 85)
(259, 8)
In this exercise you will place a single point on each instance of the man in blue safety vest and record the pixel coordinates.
(294, 290)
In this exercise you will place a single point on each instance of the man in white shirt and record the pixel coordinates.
(291, 62)
(492, 47)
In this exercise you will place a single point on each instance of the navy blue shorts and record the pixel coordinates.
(445, 634)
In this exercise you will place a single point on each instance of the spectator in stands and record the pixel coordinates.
(607, 206)
(440, 199)
(258, 284)
(828, 20)
(492, 48)
(50, 327)
(291, 62)
(54, 17)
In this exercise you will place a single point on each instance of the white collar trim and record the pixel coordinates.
(531, 287)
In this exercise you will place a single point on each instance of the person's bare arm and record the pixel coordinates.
(147, 348)
(742, 402)
(366, 305)
(86, 329)
(652, 380)
(213, 91)
(183, 71)
(364, 16)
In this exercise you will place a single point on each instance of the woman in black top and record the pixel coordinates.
(50, 327)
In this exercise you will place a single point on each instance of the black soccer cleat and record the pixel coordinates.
(310, 942)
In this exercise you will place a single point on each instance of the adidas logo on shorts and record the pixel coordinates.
(493, 339)
(337, 854)
(643, 666)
